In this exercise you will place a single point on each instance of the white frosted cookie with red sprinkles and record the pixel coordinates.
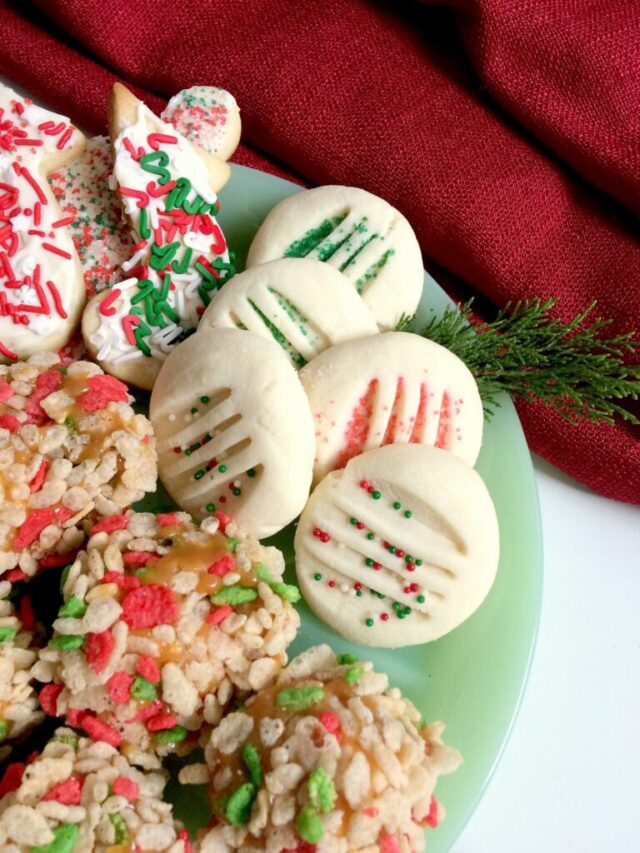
(234, 430)
(305, 306)
(395, 388)
(356, 232)
(41, 282)
(398, 548)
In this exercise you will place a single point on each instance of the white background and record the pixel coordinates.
(569, 779)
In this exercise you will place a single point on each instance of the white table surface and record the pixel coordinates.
(569, 778)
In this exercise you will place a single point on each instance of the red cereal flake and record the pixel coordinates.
(168, 519)
(303, 847)
(110, 524)
(183, 836)
(55, 560)
(148, 668)
(10, 422)
(161, 722)
(14, 575)
(216, 616)
(99, 730)
(331, 721)
(433, 818)
(370, 811)
(125, 787)
(101, 391)
(26, 614)
(36, 484)
(149, 606)
(49, 699)
(138, 558)
(222, 566)
(150, 710)
(223, 520)
(68, 792)
(46, 384)
(75, 716)
(388, 843)
(124, 581)
(35, 523)
(99, 648)
(11, 778)
(119, 687)
(5, 391)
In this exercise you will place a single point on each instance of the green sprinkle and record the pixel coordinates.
(232, 542)
(371, 536)
(7, 633)
(169, 736)
(308, 825)
(420, 599)
(120, 827)
(188, 452)
(67, 642)
(235, 594)
(238, 808)
(392, 549)
(251, 473)
(322, 791)
(263, 573)
(346, 659)
(236, 492)
(143, 689)
(4, 729)
(62, 369)
(251, 758)
(317, 576)
(368, 622)
(73, 607)
(400, 614)
(418, 562)
(287, 591)
(368, 561)
(210, 507)
(198, 475)
(359, 593)
(353, 674)
(397, 504)
(194, 410)
(408, 559)
(407, 513)
(299, 698)
(222, 468)
(376, 495)
(204, 399)
(353, 520)
(65, 837)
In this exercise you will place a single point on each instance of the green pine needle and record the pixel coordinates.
(532, 355)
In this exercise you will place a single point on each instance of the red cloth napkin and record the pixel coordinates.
(507, 132)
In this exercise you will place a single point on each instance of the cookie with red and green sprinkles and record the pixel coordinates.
(208, 116)
(164, 622)
(71, 446)
(330, 758)
(79, 795)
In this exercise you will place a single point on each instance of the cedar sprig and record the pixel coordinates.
(530, 354)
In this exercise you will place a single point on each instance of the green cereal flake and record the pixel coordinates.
(73, 607)
(65, 837)
(4, 729)
(70, 740)
(251, 758)
(287, 591)
(7, 633)
(238, 808)
(232, 543)
(143, 689)
(70, 423)
(263, 573)
(170, 736)
(322, 791)
(67, 642)
(353, 674)
(122, 836)
(234, 594)
(299, 698)
(308, 825)
(346, 658)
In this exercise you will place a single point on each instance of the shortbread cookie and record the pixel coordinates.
(329, 756)
(79, 796)
(168, 189)
(70, 445)
(163, 624)
(394, 388)
(234, 429)
(358, 233)
(207, 116)
(305, 306)
(41, 283)
(399, 547)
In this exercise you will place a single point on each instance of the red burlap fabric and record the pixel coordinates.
(507, 131)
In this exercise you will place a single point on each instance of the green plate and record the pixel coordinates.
(473, 678)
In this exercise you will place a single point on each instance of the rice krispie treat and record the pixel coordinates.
(80, 796)
(19, 707)
(330, 759)
(163, 623)
(70, 445)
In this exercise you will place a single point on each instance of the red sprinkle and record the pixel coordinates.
(154, 139)
(103, 389)
(148, 668)
(222, 566)
(109, 524)
(161, 722)
(49, 699)
(99, 648)
(433, 818)
(216, 616)
(106, 306)
(223, 520)
(370, 811)
(119, 687)
(57, 300)
(384, 616)
(69, 792)
(98, 730)
(125, 787)
(6, 352)
(149, 606)
(36, 522)
(56, 251)
(183, 835)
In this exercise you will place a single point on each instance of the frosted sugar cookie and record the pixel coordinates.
(168, 189)
(399, 547)
(329, 756)
(164, 622)
(79, 796)
(70, 445)
(391, 389)
(234, 429)
(41, 284)
(208, 116)
(357, 233)
(305, 306)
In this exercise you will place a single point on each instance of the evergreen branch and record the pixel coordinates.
(529, 354)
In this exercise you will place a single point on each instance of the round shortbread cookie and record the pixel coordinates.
(305, 306)
(234, 430)
(356, 232)
(207, 115)
(399, 547)
(394, 388)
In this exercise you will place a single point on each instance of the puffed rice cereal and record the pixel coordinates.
(330, 759)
